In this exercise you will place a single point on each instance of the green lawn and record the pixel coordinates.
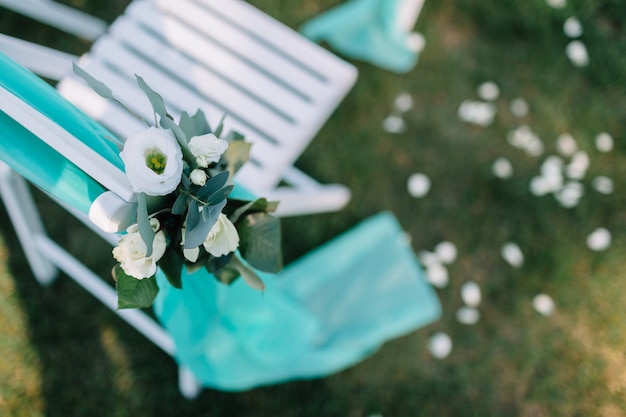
(76, 358)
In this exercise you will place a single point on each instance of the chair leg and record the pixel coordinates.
(187, 383)
(27, 223)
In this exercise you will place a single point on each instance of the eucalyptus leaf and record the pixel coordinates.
(133, 292)
(260, 204)
(227, 274)
(220, 195)
(143, 222)
(96, 85)
(220, 127)
(196, 235)
(195, 125)
(193, 217)
(260, 241)
(158, 105)
(251, 277)
(167, 123)
(180, 205)
(212, 185)
(233, 135)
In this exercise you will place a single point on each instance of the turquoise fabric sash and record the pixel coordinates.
(321, 314)
(32, 158)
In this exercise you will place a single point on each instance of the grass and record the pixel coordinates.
(77, 358)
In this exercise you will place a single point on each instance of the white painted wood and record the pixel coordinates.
(47, 62)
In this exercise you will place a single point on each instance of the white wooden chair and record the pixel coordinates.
(227, 58)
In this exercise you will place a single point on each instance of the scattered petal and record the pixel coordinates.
(416, 42)
(428, 258)
(572, 27)
(576, 51)
(470, 293)
(403, 102)
(519, 107)
(557, 4)
(577, 168)
(437, 275)
(477, 112)
(599, 239)
(602, 184)
(502, 168)
(540, 186)
(488, 91)
(467, 315)
(566, 144)
(394, 124)
(524, 138)
(570, 194)
(418, 185)
(604, 142)
(544, 304)
(440, 345)
(446, 252)
(512, 253)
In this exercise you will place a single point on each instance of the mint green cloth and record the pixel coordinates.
(321, 314)
(365, 30)
(32, 158)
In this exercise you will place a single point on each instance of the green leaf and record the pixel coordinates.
(233, 135)
(196, 235)
(96, 85)
(180, 205)
(220, 195)
(260, 204)
(195, 125)
(171, 264)
(158, 105)
(133, 292)
(251, 278)
(167, 123)
(236, 155)
(212, 185)
(193, 216)
(220, 127)
(260, 241)
(227, 274)
(143, 222)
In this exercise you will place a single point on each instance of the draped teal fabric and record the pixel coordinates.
(32, 158)
(321, 314)
(364, 30)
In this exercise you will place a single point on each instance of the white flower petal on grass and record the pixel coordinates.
(440, 345)
(437, 275)
(394, 124)
(512, 253)
(519, 107)
(153, 161)
(471, 294)
(428, 258)
(446, 252)
(566, 144)
(557, 4)
(544, 304)
(577, 168)
(477, 112)
(604, 142)
(570, 194)
(403, 102)
(602, 184)
(416, 42)
(572, 27)
(577, 53)
(524, 138)
(599, 239)
(418, 185)
(488, 91)
(542, 184)
(467, 315)
(502, 168)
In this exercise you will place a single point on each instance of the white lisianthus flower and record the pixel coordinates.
(131, 251)
(207, 149)
(198, 177)
(223, 237)
(153, 161)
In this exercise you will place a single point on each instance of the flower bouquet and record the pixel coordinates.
(182, 176)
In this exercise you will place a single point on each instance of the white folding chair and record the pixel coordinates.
(226, 58)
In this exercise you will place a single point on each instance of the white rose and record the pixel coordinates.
(153, 161)
(207, 148)
(131, 252)
(223, 237)
(198, 177)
